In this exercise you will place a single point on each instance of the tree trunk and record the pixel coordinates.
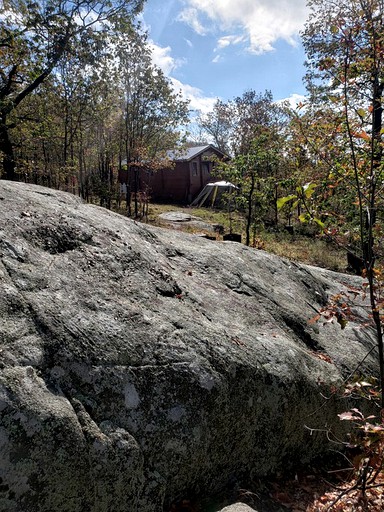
(136, 187)
(275, 204)
(6, 147)
(369, 252)
(249, 213)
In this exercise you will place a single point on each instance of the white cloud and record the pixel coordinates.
(189, 43)
(223, 42)
(195, 96)
(217, 59)
(294, 100)
(162, 57)
(227, 40)
(190, 16)
(261, 22)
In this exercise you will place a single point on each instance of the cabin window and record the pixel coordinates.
(194, 168)
(206, 167)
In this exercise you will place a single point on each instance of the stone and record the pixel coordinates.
(176, 217)
(141, 366)
(238, 507)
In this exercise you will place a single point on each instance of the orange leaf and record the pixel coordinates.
(362, 135)
(314, 319)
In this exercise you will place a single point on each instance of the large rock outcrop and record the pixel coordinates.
(139, 365)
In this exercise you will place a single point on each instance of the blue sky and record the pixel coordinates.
(220, 48)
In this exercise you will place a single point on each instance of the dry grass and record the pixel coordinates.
(311, 251)
(209, 215)
(300, 248)
(314, 494)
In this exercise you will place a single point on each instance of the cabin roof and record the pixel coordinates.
(190, 153)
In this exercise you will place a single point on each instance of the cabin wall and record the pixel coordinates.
(181, 184)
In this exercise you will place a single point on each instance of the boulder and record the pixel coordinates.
(140, 365)
(238, 507)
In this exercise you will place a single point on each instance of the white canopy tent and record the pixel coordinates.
(212, 193)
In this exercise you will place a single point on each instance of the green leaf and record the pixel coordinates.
(361, 112)
(304, 218)
(283, 200)
(319, 223)
(296, 204)
(309, 189)
(342, 322)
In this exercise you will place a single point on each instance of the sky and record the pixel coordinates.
(220, 48)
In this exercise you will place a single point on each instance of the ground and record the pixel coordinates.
(310, 492)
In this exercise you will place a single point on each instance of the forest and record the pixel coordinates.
(79, 94)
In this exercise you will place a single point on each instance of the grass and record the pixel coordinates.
(304, 247)
(209, 215)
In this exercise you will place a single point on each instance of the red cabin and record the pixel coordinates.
(192, 170)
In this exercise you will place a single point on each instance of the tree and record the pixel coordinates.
(218, 125)
(344, 42)
(255, 172)
(251, 111)
(35, 37)
(62, 130)
(233, 125)
(250, 127)
(151, 111)
(94, 112)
